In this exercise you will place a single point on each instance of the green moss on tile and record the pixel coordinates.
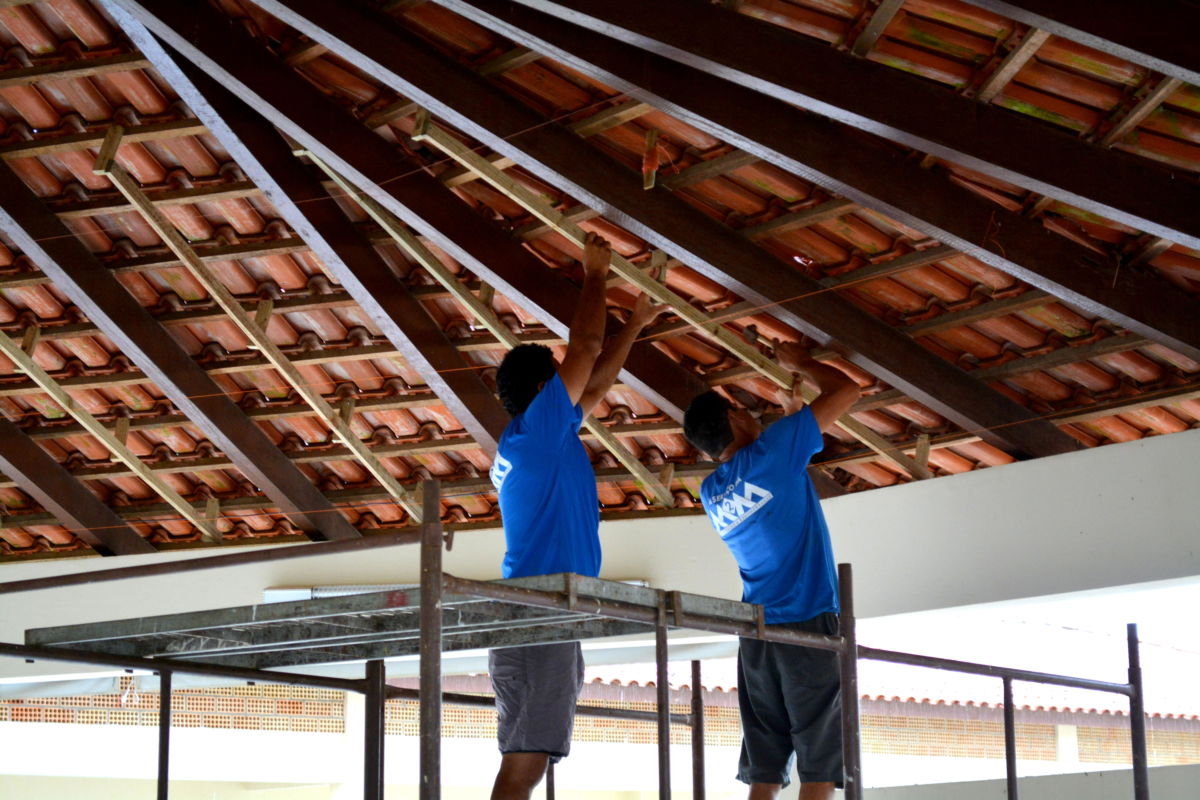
(934, 42)
(907, 66)
(1030, 109)
(772, 190)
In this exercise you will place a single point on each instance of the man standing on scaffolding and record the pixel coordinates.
(763, 504)
(551, 515)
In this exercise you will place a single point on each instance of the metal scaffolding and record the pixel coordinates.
(453, 613)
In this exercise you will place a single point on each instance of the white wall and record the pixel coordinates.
(1110, 516)
(1166, 783)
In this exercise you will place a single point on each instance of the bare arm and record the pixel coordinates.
(608, 366)
(587, 326)
(838, 391)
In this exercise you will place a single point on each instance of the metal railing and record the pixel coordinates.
(670, 611)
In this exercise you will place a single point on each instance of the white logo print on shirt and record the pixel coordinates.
(499, 471)
(737, 504)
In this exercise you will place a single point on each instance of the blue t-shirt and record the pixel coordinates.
(547, 490)
(764, 506)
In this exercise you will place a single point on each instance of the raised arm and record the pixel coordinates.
(587, 326)
(838, 391)
(608, 366)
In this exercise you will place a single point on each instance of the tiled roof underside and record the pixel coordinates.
(1097, 381)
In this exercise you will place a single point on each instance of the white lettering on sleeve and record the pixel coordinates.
(499, 471)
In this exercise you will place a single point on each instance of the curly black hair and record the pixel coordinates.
(521, 373)
(706, 423)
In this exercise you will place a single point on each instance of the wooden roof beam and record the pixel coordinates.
(1160, 36)
(455, 94)
(653, 286)
(819, 150)
(35, 472)
(208, 39)
(76, 272)
(347, 256)
(1016, 148)
(23, 360)
(253, 327)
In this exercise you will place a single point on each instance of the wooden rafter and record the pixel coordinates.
(880, 18)
(820, 150)
(79, 275)
(1012, 63)
(31, 469)
(116, 446)
(420, 200)
(462, 98)
(348, 258)
(253, 327)
(887, 102)
(1118, 27)
(486, 317)
(655, 288)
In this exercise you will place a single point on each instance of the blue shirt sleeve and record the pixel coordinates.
(552, 416)
(795, 439)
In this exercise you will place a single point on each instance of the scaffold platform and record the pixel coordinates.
(381, 624)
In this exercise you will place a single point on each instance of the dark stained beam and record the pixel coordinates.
(1159, 35)
(352, 261)
(218, 46)
(61, 494)
(904, 108)
(864, 171)
(401, 60)
(76, 272)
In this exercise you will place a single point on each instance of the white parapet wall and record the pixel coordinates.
(1110, 516)
(1166, 783)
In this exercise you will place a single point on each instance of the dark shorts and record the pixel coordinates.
(791, 707)
(536, 689)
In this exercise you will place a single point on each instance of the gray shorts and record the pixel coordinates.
(536, 689)
(790, 698)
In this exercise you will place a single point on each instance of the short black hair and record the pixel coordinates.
(706, 423)
(521, 373)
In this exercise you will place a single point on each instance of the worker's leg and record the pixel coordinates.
(537, 687)
(811, 684)
(766, 759)
(764, 791)
(817, 791)
(519, 774)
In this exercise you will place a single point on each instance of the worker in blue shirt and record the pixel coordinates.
(762, 503)
(551, 514)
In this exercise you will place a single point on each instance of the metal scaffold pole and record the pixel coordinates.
(373, 732)
(664, 699)
(697, 733)
(164, 734)
(1010, 740)
(1137, 717)
(431, 643)
(849, 668)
